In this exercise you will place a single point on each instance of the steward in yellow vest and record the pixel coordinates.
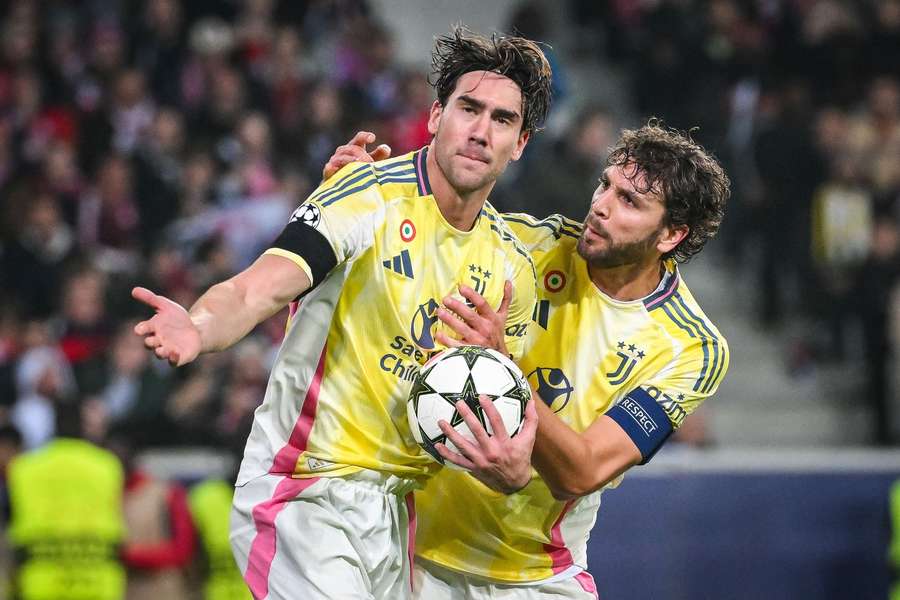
(210, 503)
(66, 522)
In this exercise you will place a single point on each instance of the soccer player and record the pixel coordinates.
(323, 506)
(621, 355)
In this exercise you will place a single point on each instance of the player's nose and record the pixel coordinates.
(600, 205)
(480, 131)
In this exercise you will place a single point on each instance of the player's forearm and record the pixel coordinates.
(571, 464)
(227, 312)
(558, 454)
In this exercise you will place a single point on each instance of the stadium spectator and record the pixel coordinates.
(160, 539)
(67, 522)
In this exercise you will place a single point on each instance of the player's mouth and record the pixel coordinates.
(595, 230)
(476, 156)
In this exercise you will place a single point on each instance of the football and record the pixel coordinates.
(464, 373)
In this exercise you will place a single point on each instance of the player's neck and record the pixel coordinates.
(627, 282)
(460, 210)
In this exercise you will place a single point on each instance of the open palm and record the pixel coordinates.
(170, 333)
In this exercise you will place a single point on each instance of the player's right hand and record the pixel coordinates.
(500, 462)
(170, 333)
(355, 151)
(475, 321)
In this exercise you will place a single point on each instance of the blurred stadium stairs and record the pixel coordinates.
(761, 403)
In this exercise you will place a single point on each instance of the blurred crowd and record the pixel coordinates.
(166, 143)
(801, 101)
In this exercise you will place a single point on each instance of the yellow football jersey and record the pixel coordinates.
(381, 258)
(647, 364)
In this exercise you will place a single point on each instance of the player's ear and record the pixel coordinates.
(520, 145)
(671, 236)
(434, 117)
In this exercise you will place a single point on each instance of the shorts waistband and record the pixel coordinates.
(385, 483)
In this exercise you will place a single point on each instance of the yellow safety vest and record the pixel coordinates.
(210, 503)
(67, 522)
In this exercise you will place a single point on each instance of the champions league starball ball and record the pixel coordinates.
(464, 373)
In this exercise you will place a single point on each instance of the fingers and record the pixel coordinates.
(480, 326)
(144, 328)
(498, 427)
(152, 341)
(447, 341)
(349, 153)
(530, 423)
(481, 305)
(168, 354)
(460, 328)
(361, 139)
(453, 457)
(461, 309)
(503, 311)
(382, 152)
(465, 446)
(475, 426)
(147, 297)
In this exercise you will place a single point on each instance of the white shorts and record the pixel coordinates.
(434, 582)
(328, 538)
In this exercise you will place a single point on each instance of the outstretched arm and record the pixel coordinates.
(224, 314)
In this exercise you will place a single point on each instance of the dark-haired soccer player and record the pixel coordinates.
(621, 354)
(323, 506)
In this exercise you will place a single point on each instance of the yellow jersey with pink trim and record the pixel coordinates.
(381, 257)
(646, 364)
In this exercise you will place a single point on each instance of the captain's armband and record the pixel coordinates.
(644, 420)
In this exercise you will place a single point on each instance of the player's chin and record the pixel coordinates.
(469, 181)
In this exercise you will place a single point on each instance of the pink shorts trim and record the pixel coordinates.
(411, 543)
(560, 557)
(587, 583)
(264, 545)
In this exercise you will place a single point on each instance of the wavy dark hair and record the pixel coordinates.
(520, 59)
(693, 184)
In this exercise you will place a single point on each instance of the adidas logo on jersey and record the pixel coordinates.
(316, 464)
(400, 264)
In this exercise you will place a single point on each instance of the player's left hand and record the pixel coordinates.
(498, 461)
(478, 324)
(355, 151)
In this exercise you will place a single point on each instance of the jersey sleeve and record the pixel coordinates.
(518, 320)
(539, 235)
(652, 411)
(335, 223)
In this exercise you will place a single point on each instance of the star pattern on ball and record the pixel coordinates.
(469, 395)
(472, 353)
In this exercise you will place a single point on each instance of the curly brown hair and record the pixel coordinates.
(691, 181)
(520, 59)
